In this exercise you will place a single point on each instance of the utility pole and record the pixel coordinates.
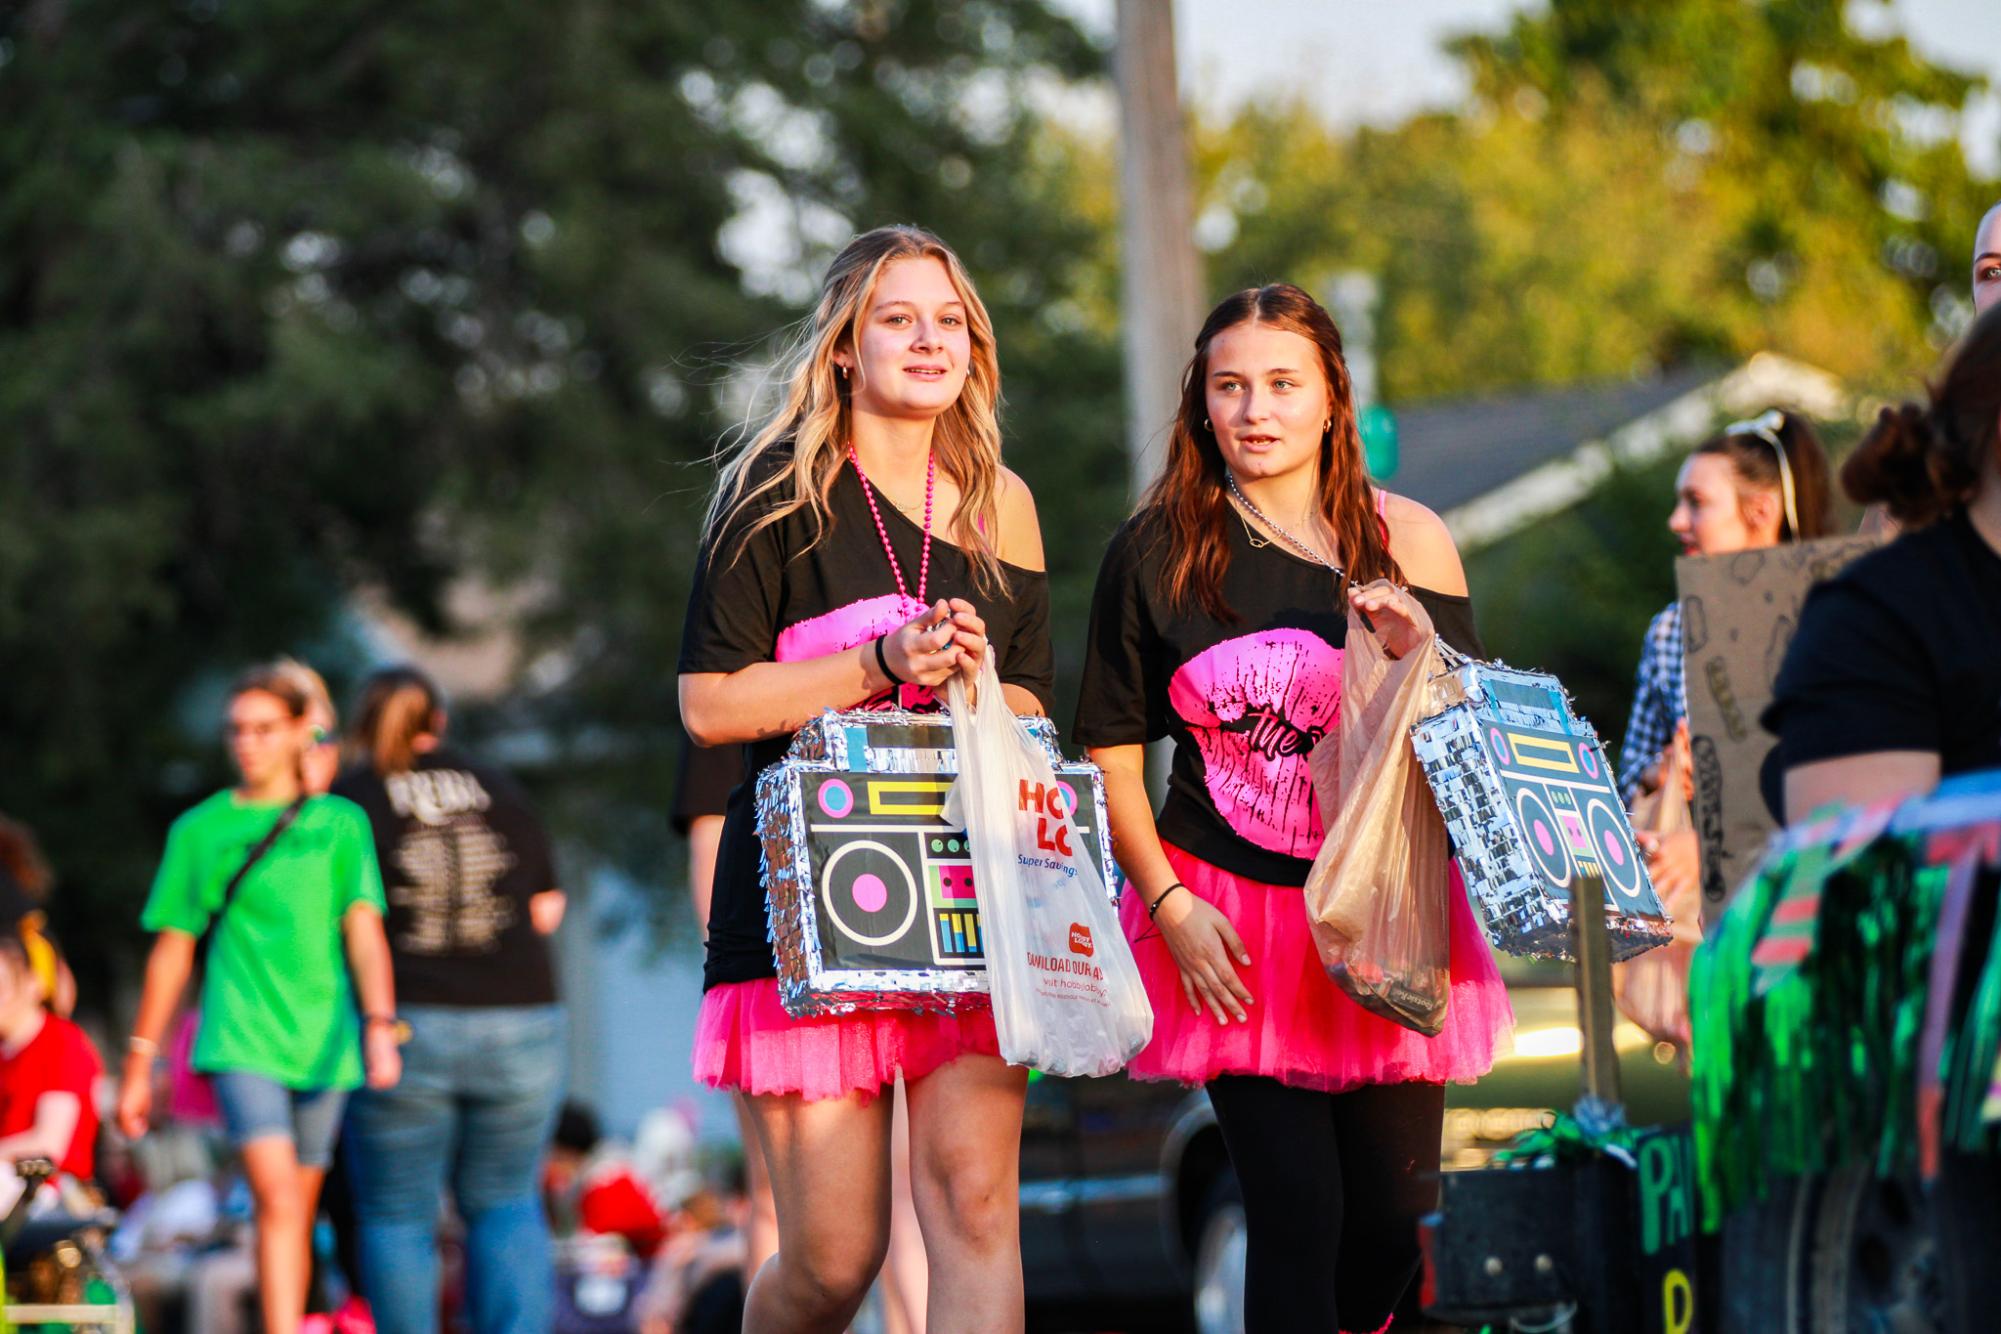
(1160, 290)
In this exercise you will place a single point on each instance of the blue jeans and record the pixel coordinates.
(475, 1108)
(258, 1107)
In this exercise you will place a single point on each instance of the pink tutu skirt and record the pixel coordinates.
(1303, 1030)
(745, 1041)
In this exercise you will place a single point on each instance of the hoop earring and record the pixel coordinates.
(1208, 426)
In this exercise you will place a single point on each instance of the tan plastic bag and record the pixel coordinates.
(1652, 990)
(1377, 893)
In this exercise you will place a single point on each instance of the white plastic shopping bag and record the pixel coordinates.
(1066, 995)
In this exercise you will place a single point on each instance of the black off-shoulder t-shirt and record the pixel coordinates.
(1244, 701)
(1899, 651)
(778, 596)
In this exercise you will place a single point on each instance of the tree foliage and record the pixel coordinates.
(1636, 184)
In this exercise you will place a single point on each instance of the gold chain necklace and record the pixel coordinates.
(1309, 552)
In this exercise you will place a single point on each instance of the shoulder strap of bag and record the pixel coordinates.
(255, 855)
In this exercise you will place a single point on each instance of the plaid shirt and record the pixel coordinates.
(1659, 703)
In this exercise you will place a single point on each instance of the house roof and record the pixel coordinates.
(1492, 465)
(1456, 450)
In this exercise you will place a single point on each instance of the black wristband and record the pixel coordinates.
(1153, 909)
(882, 661)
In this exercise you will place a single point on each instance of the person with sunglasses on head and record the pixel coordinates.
(1755, 484)
(281, 885)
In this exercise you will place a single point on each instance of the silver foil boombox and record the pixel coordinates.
(868, 892)
(1532, 807)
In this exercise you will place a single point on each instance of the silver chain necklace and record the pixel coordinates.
(1280, 529)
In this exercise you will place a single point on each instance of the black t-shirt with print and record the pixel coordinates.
(1899, 651)
(1244, 701)
(777, 595)
(462, 853)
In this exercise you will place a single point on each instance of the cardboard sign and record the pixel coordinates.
(1738, 615)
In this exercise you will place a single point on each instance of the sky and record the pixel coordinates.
(1376, 61)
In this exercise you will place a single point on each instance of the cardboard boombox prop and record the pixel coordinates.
(869, 891)
(1532, 807)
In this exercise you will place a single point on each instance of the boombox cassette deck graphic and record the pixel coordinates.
(869, 891)
(1533, 808)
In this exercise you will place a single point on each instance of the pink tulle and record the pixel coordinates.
(1303, 1030)
(744, 1040)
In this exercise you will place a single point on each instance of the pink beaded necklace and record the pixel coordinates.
(924, 562)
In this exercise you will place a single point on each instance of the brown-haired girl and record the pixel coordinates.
(473, 898)
(1219, 620)
(864, 546)
(1894, 679)
(283, 884)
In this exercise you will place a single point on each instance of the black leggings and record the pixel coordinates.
(1334, 1184)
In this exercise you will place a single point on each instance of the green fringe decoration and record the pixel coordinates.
(1807, 1004)
(1566, 1139)
(1973, 1061)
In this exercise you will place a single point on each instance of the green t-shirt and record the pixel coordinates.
(276, 1000)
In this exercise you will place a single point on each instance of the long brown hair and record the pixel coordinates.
(1190, 495)
(806, 437)
(398, 705)
(1924, 462)
(1756, 466)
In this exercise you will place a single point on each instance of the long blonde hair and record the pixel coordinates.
(811, 423)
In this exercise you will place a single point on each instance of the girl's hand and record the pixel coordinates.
(382, 1056)
(135, 1096)
(924, 652)
(1675, 863)
(1394, 614)
(969, 632)
(1204, 944)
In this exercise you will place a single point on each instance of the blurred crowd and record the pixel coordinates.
(426, 1194)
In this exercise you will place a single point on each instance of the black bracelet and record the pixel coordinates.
(882, 661)
(1153, 909)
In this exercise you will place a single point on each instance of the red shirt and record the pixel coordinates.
(59, 1059)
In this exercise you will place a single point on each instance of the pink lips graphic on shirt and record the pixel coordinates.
(845, 627)
(1256, 705)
